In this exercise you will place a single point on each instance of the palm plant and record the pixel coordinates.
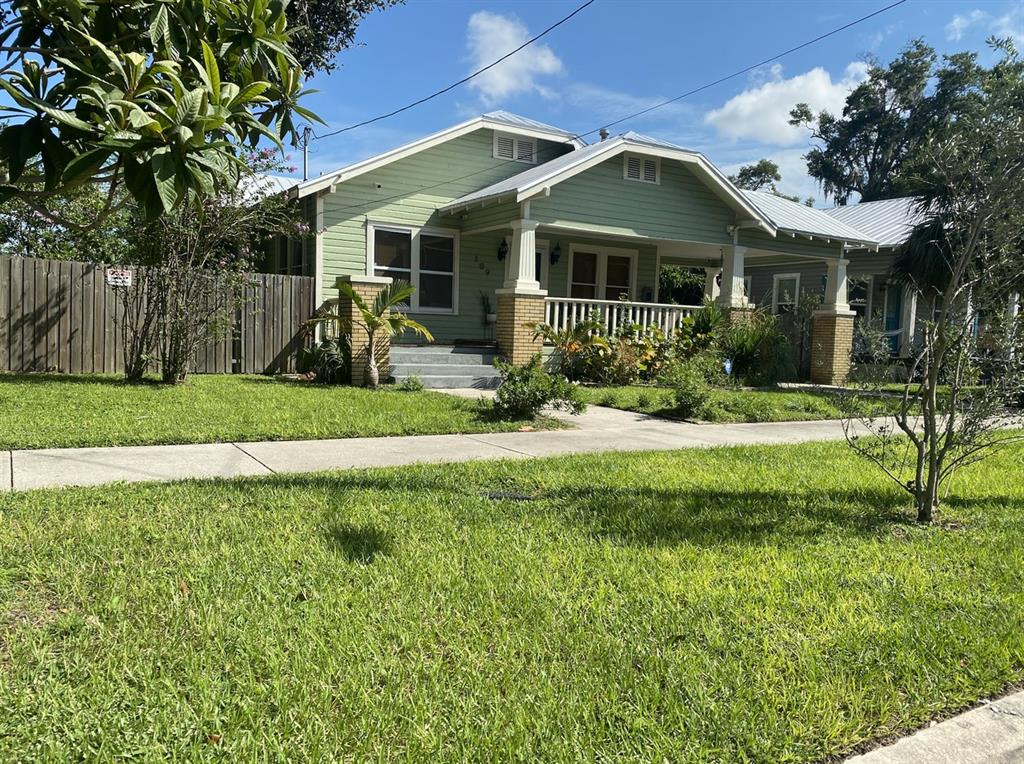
(573, 343)
(382, 317)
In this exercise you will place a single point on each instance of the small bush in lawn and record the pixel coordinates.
(411, 384)
(525, 390)
(643, 400)
(690, 387)
(608, 399)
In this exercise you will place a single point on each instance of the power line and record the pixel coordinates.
(454, 85)
(750, 68)
(817, 39)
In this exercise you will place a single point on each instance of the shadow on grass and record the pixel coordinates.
(361, 544)
(70, 379)
(634, 516)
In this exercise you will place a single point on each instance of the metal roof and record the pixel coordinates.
(794, 217)
(528, 177)
(634, 137)
(515, 120)
(260, 185)
(888, 221)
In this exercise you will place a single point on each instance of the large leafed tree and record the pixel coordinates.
(155, 98)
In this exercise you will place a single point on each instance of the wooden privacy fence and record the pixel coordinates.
(62, 316)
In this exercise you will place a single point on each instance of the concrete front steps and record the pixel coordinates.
(446, 367)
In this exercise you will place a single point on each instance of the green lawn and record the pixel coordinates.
(727, 405)
(754, 604)
(57, 411)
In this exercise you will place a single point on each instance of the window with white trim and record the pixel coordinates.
(785, 292)
(516, 148)
(596, 274)
(427, 259)
(641, 169)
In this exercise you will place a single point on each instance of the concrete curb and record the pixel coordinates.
(990, 734)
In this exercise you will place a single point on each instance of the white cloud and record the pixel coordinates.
(490, 36)
(1011, 24)
(762, 112)
(963, 21)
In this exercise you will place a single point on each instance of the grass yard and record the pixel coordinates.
(60, 411)
(727, 405)
(752, 604)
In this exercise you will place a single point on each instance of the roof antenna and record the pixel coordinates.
(604, 133)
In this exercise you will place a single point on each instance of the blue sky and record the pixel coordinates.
(619, 56)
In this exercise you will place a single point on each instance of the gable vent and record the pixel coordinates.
(642, 169)
(515, 148)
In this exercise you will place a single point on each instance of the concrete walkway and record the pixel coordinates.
(990, 734)
(599, 429)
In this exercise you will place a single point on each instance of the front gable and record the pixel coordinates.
(668, 201)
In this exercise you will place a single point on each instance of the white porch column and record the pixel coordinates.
(837, 287)
(521, 253)
(733, 294)
(908, 321)
(711, 289)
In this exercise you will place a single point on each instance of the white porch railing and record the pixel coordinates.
(565, 312)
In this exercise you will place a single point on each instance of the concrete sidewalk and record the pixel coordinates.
(599, 429)
(990, 734)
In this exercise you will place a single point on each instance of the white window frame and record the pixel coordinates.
(414, 273)
(602, 268)
(516, 141)
(775, 290)
(643, 158)
(748, 288)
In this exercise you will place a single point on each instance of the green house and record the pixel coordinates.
(502, 219)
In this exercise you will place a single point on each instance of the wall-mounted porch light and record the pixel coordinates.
(556, 254)
(502, 250)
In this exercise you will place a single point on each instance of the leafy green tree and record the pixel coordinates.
(874, 148)
(66, 231)
(155, 98)
(760, 176)
(763, 175)
(681, 286)
(324, 28)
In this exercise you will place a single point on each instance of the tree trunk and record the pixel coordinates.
(372, 374)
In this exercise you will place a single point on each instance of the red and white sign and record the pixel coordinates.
(119, 277)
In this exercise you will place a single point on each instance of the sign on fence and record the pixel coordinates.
(119, 277)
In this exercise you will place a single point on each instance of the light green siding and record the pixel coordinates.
(408, 192)
(601, 200)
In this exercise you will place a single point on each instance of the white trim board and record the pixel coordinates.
(602, 267)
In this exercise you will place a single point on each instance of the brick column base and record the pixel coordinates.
(831, 347)
(738, 315)
(366, 287)
(518, 313)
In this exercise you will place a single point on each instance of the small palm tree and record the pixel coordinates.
(379, 318)
(573, 343)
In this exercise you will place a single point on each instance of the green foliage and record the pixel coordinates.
(525, 390)
(690, 387)
(330, 361)
(630, 354)
(696, 333)
(876, 149)
(681, 286)
(758, 348)
(410, 384)
(158, 98)
(67, 233)
(573, 346)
